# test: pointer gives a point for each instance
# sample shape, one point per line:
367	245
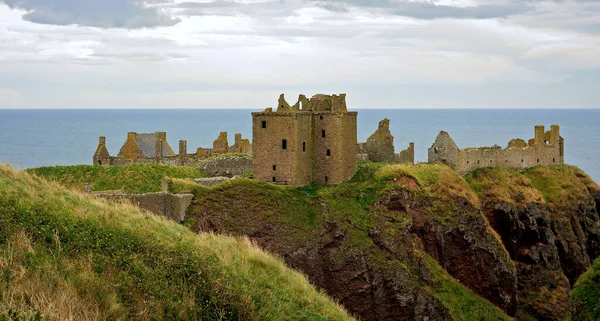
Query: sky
244	53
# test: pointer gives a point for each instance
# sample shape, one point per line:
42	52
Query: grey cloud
96	13
428	10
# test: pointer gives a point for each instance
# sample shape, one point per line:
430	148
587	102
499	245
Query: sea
34	138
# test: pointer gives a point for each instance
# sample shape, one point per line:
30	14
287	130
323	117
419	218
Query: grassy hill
65	255
134	178
300	213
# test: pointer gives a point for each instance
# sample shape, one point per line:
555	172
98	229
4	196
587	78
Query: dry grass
73	257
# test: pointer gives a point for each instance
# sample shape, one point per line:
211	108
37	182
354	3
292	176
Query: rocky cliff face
405	242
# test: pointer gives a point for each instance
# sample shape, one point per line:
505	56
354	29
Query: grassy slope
135	178
65	255
585	295
354	203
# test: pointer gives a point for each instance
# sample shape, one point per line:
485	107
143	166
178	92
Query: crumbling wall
546	148
131	152
406	156
211	181
221	145
444	150
380	145
171	206
227	166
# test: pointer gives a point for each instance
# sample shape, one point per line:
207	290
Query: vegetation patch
561	185
462	304
71	256
585	295
436	179
134	178
505	185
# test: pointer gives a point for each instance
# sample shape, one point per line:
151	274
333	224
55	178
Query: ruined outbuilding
149	148
312	141
379	147
546	148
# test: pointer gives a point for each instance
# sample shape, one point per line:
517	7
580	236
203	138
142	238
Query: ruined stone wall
444	151
547	148
406	156
171	206
227	166
380	145
130	148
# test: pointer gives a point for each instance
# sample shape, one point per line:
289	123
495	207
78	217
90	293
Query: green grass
561	185
66	255
134	178
503	184
355	206
585	295
461	303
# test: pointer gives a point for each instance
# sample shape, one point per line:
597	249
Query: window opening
284	144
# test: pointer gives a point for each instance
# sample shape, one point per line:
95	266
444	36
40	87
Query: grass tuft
68	256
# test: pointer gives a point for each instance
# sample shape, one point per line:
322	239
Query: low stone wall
227	166
211	181
172	206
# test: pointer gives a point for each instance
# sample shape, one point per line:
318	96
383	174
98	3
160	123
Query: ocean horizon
48	137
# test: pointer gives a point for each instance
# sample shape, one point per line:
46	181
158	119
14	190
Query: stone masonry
379	147
546	148
147	148
312	141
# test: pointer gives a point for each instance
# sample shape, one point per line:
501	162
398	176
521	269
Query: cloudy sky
243	53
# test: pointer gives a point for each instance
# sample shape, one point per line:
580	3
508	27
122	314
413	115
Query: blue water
32	138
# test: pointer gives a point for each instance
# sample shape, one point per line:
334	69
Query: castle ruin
379	147
312	141
149	148
546	148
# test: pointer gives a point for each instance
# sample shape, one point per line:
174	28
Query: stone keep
313	141
546	148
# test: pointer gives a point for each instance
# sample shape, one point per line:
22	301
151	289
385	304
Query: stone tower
313	141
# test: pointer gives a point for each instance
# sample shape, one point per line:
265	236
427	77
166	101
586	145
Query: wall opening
303	146
478	162
274	167
553	160
435	150
467	162
538	160
323	133
326	179
274	179
329	152
321	117
490	161
263	124
284	144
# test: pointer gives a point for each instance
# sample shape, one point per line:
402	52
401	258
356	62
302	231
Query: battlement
546	148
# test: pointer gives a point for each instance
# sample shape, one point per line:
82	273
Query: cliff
65	255
403	242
